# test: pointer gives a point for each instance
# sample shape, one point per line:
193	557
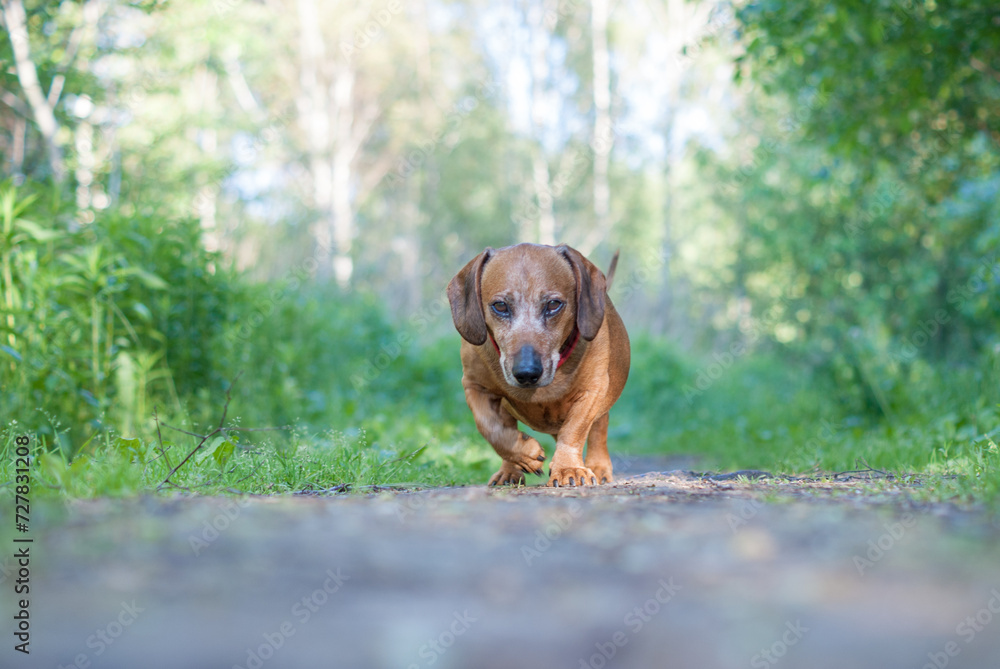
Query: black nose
527	366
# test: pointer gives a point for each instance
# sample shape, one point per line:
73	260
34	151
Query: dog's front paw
602	471
570	476
509	474
529	456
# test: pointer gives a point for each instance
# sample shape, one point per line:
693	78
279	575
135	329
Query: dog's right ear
465	296
591	292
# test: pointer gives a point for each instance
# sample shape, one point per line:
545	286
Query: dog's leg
567	466
520	453
598	460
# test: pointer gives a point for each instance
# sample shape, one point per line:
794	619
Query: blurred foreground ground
659	570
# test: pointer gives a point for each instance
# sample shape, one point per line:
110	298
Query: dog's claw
571	476
524	460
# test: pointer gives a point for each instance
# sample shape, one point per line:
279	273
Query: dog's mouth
528	384
541	383
527	368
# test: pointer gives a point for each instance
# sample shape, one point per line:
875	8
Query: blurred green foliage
96	316
816	287
868	194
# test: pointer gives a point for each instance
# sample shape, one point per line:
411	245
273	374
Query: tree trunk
603	138
344	150
315	117
15	19
546	233
85	163
334	135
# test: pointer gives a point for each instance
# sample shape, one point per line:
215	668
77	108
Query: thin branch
15	103
361	129
186	458
869	470
177	429
219	429
222	422
241	89
229	398
91	15
159	435
228	429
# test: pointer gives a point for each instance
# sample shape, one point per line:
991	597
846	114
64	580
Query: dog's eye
500	308
552	307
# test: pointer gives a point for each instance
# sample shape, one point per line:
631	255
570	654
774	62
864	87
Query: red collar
564	353
569	346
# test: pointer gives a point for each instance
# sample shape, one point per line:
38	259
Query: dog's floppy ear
591	289
465	296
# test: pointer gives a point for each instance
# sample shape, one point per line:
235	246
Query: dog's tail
611	269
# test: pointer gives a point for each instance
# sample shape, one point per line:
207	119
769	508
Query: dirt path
661	570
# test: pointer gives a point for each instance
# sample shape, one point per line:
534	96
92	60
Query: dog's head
533	302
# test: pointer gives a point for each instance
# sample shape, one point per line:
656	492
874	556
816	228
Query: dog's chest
547	418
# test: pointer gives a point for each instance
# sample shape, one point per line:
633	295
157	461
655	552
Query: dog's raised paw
509	474
529	456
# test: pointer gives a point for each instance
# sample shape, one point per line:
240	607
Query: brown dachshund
542	344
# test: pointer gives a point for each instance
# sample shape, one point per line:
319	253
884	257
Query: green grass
104	324
765	413
411	427
286	463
